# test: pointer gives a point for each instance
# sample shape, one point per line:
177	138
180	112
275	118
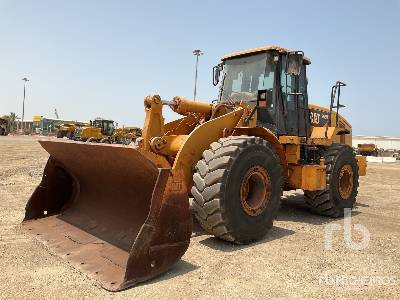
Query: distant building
382	142
26	126
45	126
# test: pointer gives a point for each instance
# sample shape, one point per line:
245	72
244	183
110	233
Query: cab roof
102	119
306	60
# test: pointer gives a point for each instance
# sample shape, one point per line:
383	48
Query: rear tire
60	135
237	188
341	183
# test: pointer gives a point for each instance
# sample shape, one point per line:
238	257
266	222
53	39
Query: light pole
197	53
23	103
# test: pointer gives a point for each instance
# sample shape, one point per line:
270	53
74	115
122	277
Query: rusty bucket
110	212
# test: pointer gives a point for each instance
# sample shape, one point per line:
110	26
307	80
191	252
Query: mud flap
110	212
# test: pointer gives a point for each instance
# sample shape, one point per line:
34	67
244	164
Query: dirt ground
290	262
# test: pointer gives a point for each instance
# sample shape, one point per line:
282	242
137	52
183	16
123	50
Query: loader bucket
110	212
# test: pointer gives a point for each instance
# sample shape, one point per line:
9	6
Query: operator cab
272	78
106	126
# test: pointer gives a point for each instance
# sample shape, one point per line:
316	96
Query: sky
101	58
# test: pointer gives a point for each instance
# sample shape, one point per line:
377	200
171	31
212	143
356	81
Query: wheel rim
346	181
255	191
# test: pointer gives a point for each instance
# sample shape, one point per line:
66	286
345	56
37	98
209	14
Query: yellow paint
67	127
325	136
184	140
159	160
290	139
343	123
307	177
362	165
184	106
168	145
91	132
200	139
154	121
246	112
182	126
270	137
292	152
367	148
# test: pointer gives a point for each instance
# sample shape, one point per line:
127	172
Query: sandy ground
290	262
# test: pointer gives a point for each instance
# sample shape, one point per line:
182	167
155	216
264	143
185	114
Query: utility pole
197	53
23	103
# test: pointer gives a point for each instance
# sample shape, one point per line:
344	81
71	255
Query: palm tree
13	118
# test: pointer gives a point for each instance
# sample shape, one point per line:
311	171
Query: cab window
245	76
288	85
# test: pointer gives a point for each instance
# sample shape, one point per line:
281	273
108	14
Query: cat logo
315	118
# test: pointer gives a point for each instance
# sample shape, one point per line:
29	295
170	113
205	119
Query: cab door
295	100
302	100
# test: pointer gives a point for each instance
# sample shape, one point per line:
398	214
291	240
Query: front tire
105	141
237	188
341	183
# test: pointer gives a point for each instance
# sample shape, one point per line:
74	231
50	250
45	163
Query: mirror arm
247	120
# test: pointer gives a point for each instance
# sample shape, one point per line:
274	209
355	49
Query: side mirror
216	73
294	61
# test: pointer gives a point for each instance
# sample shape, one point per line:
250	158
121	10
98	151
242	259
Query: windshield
244	76
108	127
97	123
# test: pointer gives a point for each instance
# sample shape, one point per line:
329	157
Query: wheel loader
368	149
104	131
99	130
121	214
125	135
68	129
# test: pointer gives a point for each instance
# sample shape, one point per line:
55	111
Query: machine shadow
224	246
360	205
294	209
180	268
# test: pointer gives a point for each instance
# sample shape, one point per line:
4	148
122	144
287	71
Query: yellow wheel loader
103	131
121	214
68	129
99	130
368	149
124	135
